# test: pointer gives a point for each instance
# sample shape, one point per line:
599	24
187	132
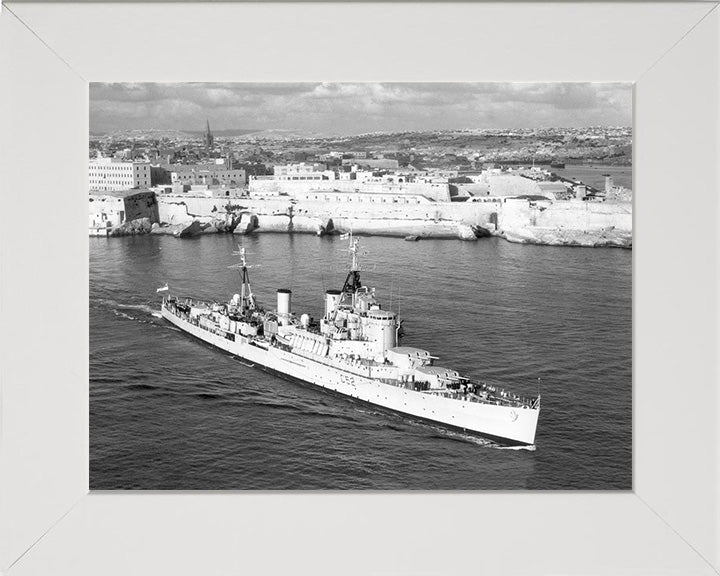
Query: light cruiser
354	350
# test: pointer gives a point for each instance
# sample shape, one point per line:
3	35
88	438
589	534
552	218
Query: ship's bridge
408	357
365	300
437	377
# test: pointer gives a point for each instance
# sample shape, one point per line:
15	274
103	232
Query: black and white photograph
398	289
360	286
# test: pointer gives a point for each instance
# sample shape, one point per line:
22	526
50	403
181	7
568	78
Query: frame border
670	524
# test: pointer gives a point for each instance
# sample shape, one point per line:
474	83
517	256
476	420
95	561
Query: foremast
247	298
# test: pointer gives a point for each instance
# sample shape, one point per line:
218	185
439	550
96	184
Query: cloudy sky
356	108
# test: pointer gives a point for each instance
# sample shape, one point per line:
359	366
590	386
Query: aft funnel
283	303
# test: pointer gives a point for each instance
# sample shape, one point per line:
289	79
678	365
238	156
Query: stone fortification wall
175	209
567	223
512	186
546	222
439	192
503	185
404	227
181	208
475	213
576	215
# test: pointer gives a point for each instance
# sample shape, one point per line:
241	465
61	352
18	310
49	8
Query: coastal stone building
112	174
218	174
110	209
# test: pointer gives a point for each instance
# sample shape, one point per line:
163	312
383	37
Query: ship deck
479	392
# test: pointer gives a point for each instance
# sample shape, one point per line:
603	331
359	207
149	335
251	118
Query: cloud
345	108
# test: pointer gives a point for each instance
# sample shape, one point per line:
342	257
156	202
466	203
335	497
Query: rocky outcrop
184	230
273	223
572	223
466	232
312	225
232	221
564	237
481	232
326	226
192	229
216	227
247	223
165	229
132	227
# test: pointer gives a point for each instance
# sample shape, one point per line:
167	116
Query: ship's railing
194	321
498	395
473	392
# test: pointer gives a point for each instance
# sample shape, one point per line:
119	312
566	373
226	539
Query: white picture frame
51	524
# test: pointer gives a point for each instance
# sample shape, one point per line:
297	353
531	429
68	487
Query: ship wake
129	311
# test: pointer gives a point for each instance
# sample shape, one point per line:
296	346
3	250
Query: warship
354	350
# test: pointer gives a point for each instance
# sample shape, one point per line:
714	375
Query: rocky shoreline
532	220
608	238
182	230
245	223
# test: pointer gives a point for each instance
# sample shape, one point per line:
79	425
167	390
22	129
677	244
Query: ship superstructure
354	350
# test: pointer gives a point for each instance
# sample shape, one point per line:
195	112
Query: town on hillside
480	182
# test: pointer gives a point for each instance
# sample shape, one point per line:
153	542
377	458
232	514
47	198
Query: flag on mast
163	289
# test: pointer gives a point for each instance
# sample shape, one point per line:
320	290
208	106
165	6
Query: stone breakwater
525	220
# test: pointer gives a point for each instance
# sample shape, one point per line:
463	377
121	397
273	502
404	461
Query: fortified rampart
438	191
512	186
574	222
521	220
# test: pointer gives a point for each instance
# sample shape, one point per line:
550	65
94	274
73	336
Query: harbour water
169	412
594	174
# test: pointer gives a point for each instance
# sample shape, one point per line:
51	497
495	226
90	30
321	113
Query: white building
112	174
303	171
209	174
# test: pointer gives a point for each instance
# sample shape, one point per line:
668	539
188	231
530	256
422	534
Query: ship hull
504	424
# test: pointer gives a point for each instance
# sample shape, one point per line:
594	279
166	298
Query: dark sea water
169	412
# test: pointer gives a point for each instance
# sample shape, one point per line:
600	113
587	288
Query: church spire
209	139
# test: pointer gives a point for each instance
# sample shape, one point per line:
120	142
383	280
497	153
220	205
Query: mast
247	298
352	281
